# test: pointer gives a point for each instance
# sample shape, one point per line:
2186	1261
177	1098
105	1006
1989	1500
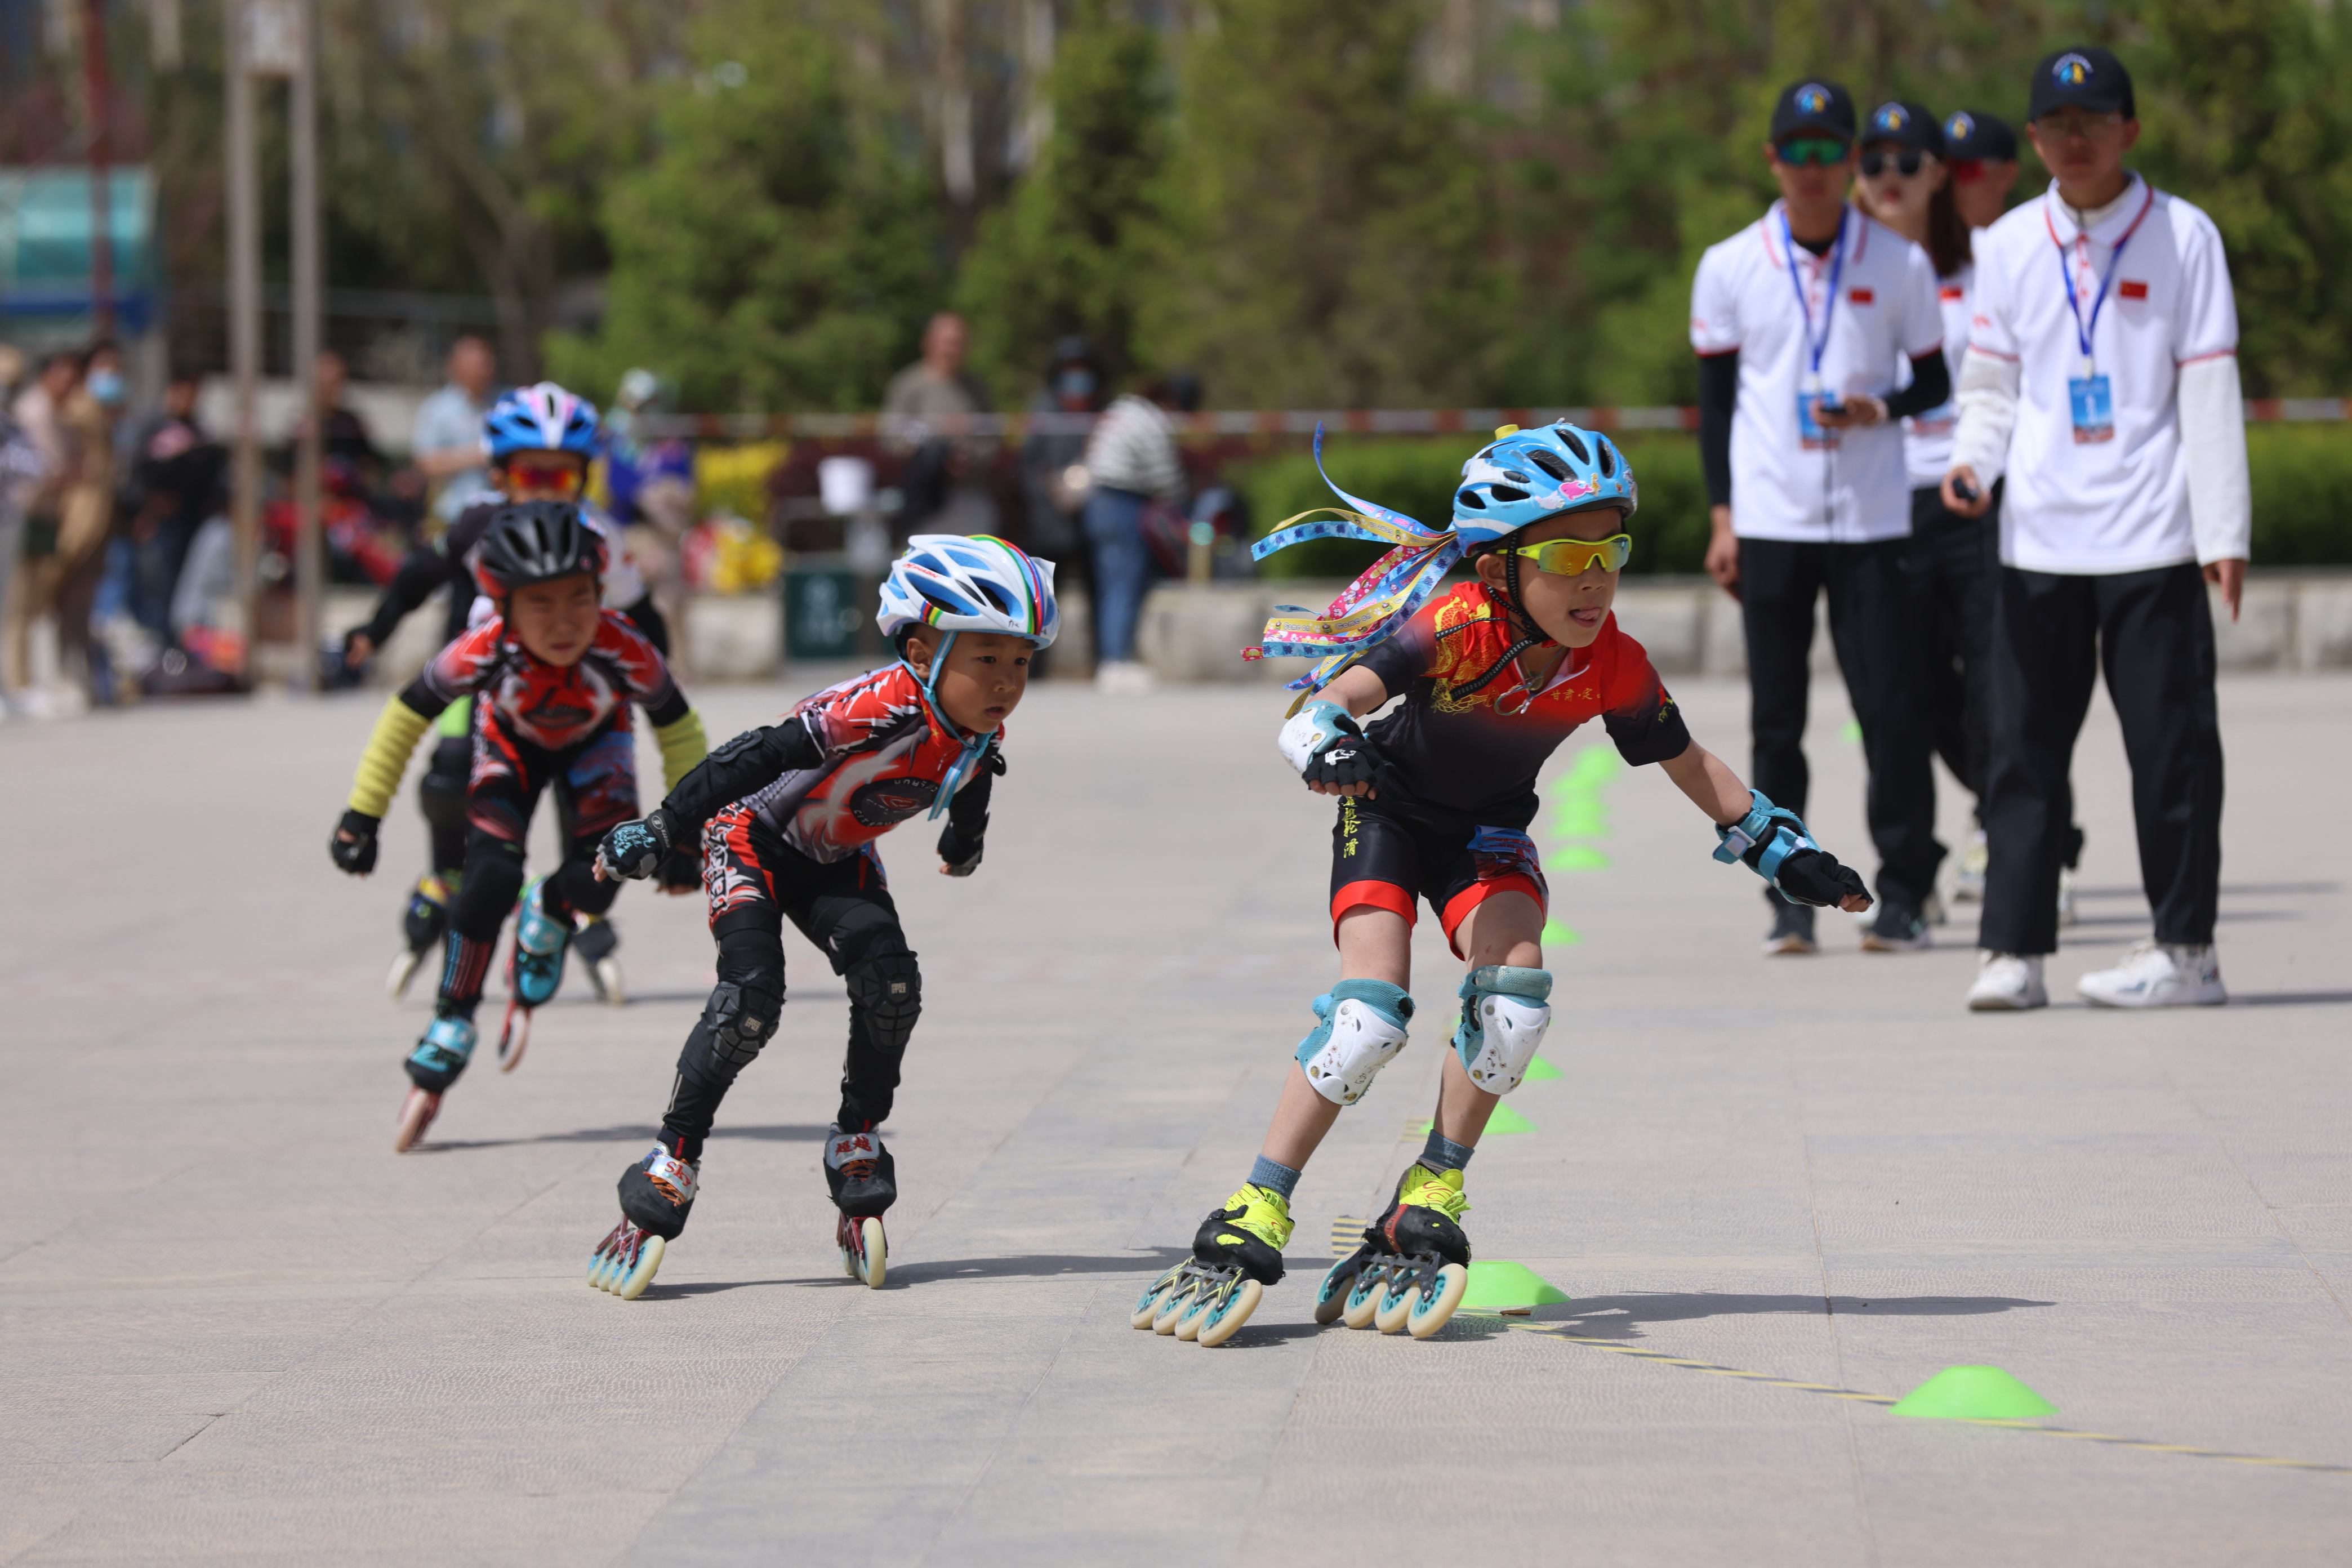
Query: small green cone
1577	857
1505	1286
1558	935
1504	1120
1541	1070
1852	734
1974	1394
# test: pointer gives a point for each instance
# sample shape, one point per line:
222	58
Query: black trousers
1872	625
1951	567
2152	634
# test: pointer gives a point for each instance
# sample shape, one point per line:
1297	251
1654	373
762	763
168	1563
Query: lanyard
2066	270
1815	346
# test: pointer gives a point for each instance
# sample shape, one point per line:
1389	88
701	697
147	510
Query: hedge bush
2302	482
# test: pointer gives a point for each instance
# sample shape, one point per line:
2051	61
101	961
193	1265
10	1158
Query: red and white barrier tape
1278	422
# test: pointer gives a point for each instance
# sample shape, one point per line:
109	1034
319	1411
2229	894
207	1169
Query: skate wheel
874	1259
606	973
417	1114
1363	1299
1147	1306
403	970
1395	1302
1173	1304
1226	1319
1425	1318
1196	1313
630	1285
514	1038
1331	1296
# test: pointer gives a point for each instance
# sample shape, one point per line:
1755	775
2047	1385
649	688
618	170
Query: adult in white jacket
2102	379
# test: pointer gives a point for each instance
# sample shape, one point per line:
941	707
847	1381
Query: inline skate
421	924
863	1181
1413	1266
1237	1254
534	971
440	1056
656	1194
598	945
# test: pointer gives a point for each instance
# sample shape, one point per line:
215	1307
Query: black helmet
535	541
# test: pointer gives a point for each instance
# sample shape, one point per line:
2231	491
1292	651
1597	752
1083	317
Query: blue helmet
1526	476
541	418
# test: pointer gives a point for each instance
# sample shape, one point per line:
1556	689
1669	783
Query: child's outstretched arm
747	762
406	716
1770	841
1325	744
962	839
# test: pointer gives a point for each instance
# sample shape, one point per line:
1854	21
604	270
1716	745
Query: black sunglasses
1873	162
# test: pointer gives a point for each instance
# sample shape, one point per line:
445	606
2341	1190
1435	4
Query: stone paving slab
236	1328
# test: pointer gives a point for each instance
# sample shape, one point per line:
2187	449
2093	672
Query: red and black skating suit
789	816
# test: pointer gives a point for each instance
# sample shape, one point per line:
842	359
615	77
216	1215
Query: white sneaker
1122	677
1969	875
2159	974
2008	982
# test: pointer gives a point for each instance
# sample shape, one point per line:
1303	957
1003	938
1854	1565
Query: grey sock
1275	1178
1441	1154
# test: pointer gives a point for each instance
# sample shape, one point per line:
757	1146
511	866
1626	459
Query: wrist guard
636	849
1763	838
1327	746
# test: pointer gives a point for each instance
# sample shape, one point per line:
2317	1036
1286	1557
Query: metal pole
101	92
303	110
245	331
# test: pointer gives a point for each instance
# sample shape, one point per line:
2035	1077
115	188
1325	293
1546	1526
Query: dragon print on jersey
885	760
551	706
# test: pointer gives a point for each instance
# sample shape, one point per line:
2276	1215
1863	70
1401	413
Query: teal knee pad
1503	1016
1359	1026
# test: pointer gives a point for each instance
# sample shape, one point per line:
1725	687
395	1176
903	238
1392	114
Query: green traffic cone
1974	1394
1504	1120
1541	1070
1506	1287
1558	935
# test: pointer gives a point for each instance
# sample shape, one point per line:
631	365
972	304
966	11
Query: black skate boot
421	924
1413	1266
598	945
1237	1254
656	1194
863	1179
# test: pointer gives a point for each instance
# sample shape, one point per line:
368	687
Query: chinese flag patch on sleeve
2130	291
1861	296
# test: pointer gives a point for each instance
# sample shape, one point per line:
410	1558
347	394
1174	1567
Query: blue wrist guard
1775	831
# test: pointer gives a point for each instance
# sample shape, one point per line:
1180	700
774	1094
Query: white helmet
970	584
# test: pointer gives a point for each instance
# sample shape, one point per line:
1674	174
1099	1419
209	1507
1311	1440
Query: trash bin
821	609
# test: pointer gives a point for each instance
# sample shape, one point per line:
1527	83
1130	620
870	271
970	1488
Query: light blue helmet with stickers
1525	476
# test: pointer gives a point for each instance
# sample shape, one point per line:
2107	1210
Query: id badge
1811	433
2093	409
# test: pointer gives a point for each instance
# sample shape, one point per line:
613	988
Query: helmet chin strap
974	746
1523	628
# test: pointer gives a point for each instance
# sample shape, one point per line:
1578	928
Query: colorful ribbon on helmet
1375	605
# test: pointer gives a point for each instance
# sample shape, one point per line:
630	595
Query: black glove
353	844
636	849
960	856
1814	876
681	871
1350	760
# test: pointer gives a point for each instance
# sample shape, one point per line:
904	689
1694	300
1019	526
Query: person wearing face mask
85	518
2102	380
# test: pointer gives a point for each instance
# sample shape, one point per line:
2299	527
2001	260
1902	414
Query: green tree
780	248
1070	251
1328	235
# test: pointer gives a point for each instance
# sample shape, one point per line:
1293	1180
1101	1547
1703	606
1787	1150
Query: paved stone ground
236	1327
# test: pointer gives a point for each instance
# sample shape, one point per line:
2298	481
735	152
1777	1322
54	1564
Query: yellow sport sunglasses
1572	557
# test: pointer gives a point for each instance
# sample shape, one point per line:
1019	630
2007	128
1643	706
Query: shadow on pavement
784	1132
2228	889
1037	1266
1624	1317
2290	999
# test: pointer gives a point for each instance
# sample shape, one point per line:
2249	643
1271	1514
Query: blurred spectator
343	435
38	413
87	520
448	447
173	486
935	396
22	467
1130	461
650	487
1982	150
1053	463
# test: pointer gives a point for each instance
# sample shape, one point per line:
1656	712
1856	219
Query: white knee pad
1360	1030
1503	1020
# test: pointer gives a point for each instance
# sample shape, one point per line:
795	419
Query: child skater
552	676
788	819
1434	803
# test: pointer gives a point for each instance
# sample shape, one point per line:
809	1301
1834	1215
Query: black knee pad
736	1024
442	791
886	989
492	883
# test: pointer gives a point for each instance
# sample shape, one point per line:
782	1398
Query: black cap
1813	108
1904	124
2085	78
1985	138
